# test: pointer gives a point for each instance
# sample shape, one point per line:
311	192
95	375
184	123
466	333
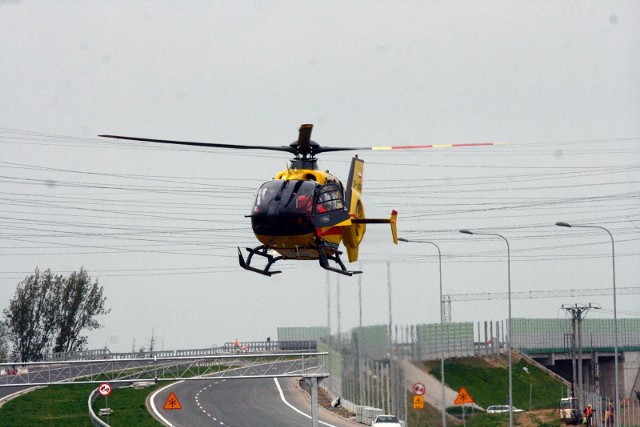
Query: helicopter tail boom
392	220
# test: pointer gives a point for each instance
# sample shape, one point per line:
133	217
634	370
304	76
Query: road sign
463	397
418	401
172	402
104	389
419	389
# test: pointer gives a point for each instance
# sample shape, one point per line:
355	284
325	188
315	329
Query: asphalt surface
241	403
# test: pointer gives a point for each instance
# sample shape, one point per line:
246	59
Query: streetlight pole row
443	401
615	312
615	316
508	321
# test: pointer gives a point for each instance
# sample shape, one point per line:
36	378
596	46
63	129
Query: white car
501	409
386	421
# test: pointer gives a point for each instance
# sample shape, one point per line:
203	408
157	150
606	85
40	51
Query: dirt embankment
539	418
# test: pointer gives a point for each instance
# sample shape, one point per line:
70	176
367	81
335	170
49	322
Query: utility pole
578	312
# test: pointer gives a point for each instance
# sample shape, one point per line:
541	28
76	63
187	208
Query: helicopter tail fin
354	184
352	235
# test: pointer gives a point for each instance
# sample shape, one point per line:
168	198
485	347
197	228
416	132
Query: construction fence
366	374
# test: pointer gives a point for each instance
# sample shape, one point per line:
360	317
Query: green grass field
66	406
488	383
50	406
129	406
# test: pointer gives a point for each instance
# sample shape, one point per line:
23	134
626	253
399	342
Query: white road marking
153	405
284	400
293	407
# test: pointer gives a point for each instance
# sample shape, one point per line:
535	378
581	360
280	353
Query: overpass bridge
551	343
250	359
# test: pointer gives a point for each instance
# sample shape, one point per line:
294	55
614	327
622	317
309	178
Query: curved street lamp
509	321
615	312
444	405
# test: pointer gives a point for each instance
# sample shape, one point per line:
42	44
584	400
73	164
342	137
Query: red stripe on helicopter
333	231
408	147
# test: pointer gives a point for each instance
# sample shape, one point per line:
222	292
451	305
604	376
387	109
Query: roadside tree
49	313
4	343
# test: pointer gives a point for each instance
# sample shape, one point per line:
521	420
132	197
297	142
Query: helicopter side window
329	199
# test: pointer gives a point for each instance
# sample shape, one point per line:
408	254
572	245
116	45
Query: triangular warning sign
463	397
172	402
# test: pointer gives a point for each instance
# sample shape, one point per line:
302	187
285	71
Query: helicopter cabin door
329	208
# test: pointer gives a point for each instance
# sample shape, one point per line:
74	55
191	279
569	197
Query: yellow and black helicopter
305	213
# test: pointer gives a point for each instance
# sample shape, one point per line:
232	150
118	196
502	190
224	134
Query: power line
574	293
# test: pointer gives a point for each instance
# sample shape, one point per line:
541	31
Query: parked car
501	409
386	421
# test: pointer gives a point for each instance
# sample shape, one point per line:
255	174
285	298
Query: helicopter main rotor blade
454	145
287	149
321	149
304	146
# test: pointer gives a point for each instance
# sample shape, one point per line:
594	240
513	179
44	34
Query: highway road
9	392
263	402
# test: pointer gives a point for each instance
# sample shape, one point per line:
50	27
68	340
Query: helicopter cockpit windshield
284	207
288	207
281	197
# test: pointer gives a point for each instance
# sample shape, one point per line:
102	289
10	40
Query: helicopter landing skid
323	258
262	251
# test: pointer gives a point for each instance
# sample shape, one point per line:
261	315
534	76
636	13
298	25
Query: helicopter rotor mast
304	149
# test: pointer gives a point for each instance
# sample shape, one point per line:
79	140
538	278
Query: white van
501	409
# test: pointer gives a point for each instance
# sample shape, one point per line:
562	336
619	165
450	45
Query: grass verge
486	380
66	406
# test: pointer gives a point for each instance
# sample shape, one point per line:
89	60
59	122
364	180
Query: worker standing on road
236	344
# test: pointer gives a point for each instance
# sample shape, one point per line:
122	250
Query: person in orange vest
588	415
236	344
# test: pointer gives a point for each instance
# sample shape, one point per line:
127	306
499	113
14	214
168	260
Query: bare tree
49	313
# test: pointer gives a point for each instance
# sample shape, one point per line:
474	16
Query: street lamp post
444	405
615	311
509	320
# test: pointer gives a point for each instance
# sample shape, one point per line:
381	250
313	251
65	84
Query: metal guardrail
95	420
249	365
227	348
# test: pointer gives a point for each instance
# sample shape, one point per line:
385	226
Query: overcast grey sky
159	226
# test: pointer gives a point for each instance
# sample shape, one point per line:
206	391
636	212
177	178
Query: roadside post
463	399
418	397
